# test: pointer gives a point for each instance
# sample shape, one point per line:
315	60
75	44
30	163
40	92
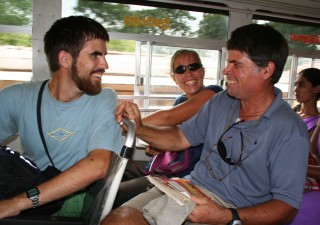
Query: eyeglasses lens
223	153
222	148
192	67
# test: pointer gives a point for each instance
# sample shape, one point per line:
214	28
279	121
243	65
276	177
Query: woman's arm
314	143
314	172
179	113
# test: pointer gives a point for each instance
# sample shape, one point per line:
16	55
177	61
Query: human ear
268	70
65	59
316	89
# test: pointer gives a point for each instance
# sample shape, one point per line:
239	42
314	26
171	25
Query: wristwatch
33	195
235	217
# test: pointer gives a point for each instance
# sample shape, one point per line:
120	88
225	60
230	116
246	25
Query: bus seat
308	213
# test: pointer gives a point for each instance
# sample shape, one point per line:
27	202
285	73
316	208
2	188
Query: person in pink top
307	93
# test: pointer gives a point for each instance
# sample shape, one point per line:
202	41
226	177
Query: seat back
103	201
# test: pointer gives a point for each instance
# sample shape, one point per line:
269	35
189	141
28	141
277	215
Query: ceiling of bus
308	8
282	3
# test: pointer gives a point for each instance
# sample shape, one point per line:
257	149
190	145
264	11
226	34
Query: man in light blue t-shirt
78	121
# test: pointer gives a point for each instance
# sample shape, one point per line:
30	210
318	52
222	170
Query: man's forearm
77	177
165	138
272	212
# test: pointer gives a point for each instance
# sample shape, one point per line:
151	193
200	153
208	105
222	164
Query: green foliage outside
112	16
289	29
213	26
121	45
16	12
19	13
15	39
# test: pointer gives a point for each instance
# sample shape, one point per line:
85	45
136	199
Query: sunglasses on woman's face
181	69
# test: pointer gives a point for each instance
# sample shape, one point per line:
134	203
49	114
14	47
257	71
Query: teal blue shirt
71	129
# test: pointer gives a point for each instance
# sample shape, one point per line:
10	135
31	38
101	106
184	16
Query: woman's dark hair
70	34
312	75
262	44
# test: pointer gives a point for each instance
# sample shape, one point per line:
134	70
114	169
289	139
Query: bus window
121	61
15	42
161	20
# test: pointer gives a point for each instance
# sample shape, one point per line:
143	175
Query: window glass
303	63
15	63
15	48
317	63
283	83
298	36
127	18
16	12
286	79
121	62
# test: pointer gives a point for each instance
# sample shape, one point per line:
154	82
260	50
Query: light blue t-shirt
274	158
71	129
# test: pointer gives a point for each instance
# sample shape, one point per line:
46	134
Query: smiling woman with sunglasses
187	71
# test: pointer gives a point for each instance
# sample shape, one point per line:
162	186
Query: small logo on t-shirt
60	134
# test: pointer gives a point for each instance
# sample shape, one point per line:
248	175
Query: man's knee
124	215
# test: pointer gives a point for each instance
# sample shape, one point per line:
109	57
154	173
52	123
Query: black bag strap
39	120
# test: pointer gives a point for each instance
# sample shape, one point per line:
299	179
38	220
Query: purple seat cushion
309	213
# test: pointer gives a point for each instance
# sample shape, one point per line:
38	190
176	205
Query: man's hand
12	206
209	212
152	152
130	111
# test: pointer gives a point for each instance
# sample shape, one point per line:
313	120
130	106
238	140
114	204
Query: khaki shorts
142	199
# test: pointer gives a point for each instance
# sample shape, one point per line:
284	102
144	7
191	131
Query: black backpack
17	173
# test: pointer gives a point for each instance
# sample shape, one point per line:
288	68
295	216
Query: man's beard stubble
84	83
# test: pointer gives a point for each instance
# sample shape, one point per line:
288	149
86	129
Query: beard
85	84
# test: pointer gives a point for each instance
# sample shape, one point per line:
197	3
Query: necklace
252	115
240	118
307	115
